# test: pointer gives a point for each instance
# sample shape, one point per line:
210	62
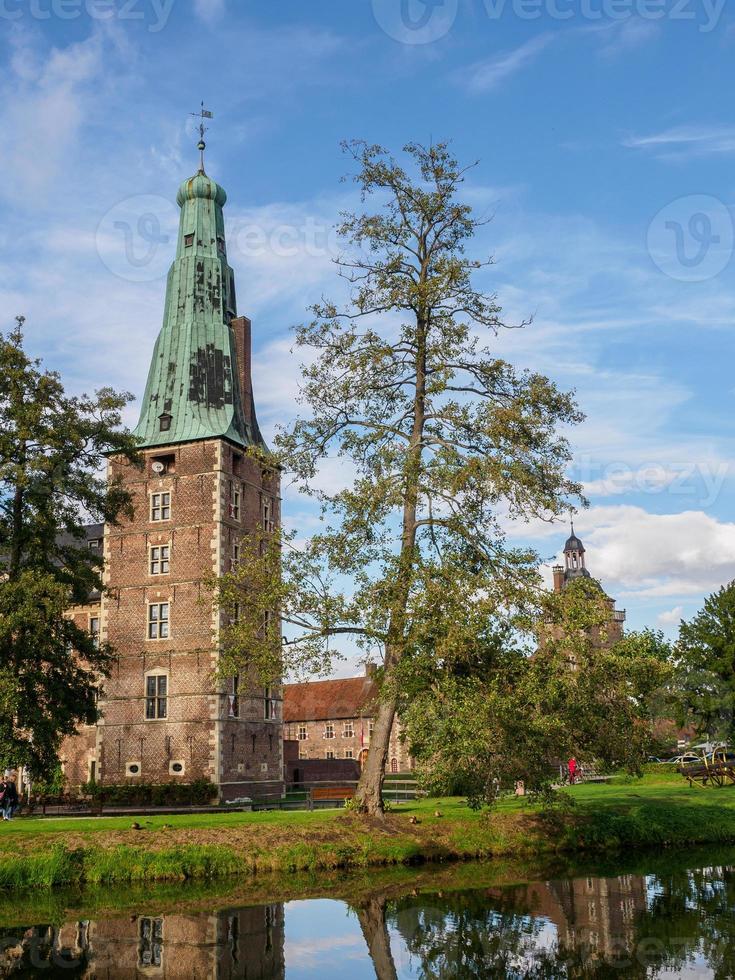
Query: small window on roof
188	241
165	421
220	244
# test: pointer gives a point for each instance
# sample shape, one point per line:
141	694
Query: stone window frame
95	633
348	729
267	513
154	623
160	560
156	697
329	732
303	733
349	754
270	704
235	509
161	507
330	754
234	697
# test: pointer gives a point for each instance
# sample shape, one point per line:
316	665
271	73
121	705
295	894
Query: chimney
558	578
241	330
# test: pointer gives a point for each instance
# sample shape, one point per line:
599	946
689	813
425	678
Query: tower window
188	241
94	629
220	244
233	708
156	697
158	621
161	506
164	422
160	559
234	502
270	704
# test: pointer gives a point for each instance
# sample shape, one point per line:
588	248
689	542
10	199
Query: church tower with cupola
166	716
575	567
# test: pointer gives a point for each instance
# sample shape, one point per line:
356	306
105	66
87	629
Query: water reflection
228	943
674	923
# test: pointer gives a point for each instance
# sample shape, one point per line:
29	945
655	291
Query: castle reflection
228	944
628	925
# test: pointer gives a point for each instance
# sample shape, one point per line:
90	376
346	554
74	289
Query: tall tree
705	681
439	440
52	451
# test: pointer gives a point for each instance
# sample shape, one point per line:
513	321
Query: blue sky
606	142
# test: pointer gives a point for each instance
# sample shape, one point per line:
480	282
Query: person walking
10	798
572	769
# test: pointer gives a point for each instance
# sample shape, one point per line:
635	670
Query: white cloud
483	76
627	35
637	554
43	103
690	140
671	617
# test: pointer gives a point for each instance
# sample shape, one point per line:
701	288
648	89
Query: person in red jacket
572	768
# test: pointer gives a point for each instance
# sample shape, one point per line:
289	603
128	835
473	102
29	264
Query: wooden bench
332	793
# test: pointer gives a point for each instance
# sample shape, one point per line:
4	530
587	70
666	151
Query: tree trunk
15	555
369	795
372	922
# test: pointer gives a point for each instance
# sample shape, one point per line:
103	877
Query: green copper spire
193	390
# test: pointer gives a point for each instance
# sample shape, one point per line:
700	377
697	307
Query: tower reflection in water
679	923
245	942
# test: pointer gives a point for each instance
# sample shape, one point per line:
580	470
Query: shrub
197	793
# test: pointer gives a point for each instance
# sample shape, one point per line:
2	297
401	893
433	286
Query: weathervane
201	146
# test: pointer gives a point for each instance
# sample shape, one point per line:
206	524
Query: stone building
164	718
333	719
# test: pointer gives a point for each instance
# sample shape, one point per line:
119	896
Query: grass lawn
658	810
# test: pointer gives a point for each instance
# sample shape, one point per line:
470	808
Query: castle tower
164	716
574	567
574	563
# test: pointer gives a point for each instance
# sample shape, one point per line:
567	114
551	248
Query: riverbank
657	811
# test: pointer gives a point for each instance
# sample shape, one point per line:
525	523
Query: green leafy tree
438	438
705	679
582	693
53	448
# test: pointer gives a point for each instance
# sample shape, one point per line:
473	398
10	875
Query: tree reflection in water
677	922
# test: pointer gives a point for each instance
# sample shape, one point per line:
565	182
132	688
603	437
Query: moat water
670	915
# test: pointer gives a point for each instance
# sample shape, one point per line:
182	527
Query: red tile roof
350	697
